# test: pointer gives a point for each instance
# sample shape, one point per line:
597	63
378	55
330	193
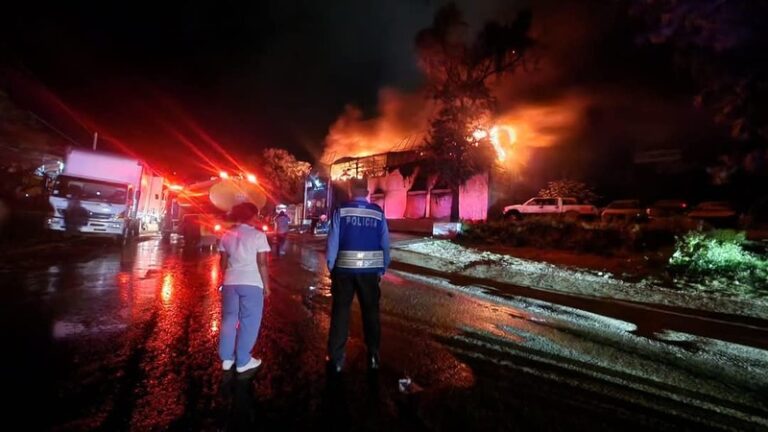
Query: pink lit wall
376	188
395	189
416	205
473	198
377	199
391	193
440	206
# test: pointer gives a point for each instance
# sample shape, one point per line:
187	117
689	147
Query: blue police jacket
358	239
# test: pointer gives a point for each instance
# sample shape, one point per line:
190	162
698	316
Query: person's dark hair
243	212
358	188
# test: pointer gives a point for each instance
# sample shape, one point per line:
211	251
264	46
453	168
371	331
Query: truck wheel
514	215
571	216
124	238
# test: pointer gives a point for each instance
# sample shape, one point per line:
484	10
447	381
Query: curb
549	278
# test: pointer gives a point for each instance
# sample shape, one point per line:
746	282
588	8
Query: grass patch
718	261
581	236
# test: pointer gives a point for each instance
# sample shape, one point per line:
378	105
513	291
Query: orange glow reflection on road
123	278
215	274
214	326
167	291
123	285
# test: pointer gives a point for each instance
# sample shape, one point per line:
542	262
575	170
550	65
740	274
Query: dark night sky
258	74
252	74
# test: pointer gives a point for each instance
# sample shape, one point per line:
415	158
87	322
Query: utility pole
95	140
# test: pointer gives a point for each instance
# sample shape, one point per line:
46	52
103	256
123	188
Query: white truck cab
99	193
105	206
550	206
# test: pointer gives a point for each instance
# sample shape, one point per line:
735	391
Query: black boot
334	368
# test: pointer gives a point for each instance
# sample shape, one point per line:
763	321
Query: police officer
358	254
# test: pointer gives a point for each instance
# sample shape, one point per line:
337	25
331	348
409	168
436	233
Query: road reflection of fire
123	286
164	398
214	326
215	274
167	290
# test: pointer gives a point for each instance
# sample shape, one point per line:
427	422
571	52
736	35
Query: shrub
720	255
719	251
558	233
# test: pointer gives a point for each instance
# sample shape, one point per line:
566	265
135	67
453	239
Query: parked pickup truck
568	207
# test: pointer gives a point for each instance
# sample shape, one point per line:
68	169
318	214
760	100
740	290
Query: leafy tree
723	44
458	69
569	189
282	175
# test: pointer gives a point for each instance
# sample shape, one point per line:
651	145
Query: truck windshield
90	190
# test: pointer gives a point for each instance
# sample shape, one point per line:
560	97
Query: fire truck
198	212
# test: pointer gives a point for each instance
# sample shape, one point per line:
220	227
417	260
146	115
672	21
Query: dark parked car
623	210
716	213
667	209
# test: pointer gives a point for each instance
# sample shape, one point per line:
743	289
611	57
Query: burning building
386	149
400	184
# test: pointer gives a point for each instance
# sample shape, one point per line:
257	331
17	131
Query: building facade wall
392	194
416	205
392	191
473	198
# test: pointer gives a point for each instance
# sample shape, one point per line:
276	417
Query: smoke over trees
458	69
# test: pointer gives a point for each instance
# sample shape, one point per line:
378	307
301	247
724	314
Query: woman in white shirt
244	252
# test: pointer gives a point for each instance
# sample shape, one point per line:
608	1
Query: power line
68	138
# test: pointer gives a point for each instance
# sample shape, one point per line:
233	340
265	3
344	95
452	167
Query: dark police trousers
343	288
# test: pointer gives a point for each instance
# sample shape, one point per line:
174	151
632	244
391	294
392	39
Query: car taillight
217	227
683	205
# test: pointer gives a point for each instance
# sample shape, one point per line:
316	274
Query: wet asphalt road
103	338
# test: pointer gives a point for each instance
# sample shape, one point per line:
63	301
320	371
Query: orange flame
501	137
404	120
400	125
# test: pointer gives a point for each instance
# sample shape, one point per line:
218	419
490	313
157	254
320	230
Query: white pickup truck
568	207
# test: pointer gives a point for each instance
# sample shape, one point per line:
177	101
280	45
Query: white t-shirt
241	244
